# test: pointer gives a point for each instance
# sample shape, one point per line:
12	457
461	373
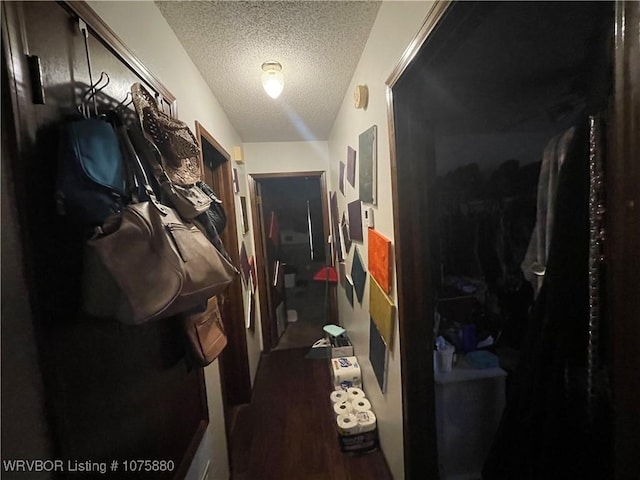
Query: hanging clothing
545	432
534	264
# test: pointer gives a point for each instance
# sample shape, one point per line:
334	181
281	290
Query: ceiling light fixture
272	79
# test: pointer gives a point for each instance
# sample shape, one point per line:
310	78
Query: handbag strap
218	316
208	191
131	184
132	160
156	166
159	172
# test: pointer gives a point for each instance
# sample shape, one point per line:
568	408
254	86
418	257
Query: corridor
288	433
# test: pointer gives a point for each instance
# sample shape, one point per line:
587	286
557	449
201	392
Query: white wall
396	25
254	336
140	25
279	157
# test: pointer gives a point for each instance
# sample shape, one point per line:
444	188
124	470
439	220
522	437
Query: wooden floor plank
288	431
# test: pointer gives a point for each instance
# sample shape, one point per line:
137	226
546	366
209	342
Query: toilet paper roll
355	393
347	424
366	421
342	408
339	396
361	405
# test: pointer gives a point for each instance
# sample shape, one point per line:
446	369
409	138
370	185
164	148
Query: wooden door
233	363
111	391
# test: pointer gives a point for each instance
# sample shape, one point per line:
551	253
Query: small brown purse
204	334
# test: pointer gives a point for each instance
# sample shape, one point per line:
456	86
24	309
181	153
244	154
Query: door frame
622	256
268	323
233	363
409	196
623	238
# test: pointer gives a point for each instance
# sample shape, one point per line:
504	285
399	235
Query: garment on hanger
534	264
545	431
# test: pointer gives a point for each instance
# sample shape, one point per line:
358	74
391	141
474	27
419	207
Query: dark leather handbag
204	334
213	221
147	263
215	214
91	180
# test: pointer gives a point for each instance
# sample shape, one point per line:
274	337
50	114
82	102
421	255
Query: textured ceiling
317	42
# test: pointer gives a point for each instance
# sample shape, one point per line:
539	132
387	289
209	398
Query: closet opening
493	121
291	228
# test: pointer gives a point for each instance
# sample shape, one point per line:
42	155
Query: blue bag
92	178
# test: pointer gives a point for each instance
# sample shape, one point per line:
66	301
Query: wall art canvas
342	274
358	274
378	356
367	144
379	258
351	166
245	216
346	238
245	268
335	228
382	311
341	181
354	209
236	183
348	290
252	271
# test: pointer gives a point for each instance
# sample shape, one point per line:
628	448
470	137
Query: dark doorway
473	114
291	233
233	362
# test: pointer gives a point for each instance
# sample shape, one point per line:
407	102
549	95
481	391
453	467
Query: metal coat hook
95	90
128	100
85	33
91	94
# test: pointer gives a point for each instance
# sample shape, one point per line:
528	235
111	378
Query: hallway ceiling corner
318	43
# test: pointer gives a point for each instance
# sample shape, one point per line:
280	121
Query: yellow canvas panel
382	311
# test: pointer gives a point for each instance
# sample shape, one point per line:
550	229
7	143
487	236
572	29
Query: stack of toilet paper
353	411
345	373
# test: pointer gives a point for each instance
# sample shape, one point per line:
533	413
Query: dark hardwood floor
308	301
288	430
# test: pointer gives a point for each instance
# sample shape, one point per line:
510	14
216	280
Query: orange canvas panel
380	259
